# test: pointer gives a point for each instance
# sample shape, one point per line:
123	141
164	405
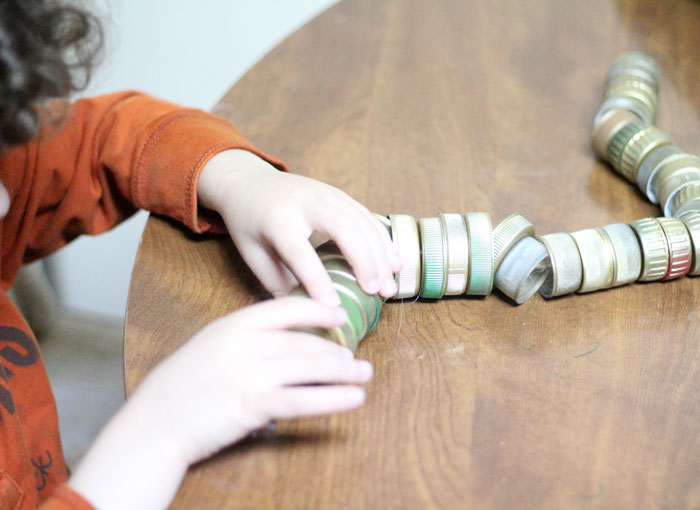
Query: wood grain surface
589	401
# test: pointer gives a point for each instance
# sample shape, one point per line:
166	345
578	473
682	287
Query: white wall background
189	52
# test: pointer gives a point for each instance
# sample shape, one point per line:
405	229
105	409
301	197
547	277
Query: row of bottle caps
460	254
455	254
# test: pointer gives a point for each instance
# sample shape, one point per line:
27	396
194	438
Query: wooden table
587	401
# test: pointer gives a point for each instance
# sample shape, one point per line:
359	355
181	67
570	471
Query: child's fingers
381	248
389	248
269	269
322	368
298	254
296	402
356	241
288	312
283	344
391	253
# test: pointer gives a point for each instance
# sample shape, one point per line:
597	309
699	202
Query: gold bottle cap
606	126
686	201
341	273
638	147
675	184
455	228
523	270
619	142
353	299
341	335
634	89
344	334
679	247
632	105
633	72
669	168
480	281
636	64
566	266
356	314
631	81
651	162
597	259
507	234
628	253
404	231
692	223
636	74
655	254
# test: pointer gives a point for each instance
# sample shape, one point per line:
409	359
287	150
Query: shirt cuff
167	170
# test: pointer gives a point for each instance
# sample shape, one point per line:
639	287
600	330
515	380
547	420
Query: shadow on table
269	439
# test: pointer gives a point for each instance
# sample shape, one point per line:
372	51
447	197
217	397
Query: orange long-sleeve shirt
109	156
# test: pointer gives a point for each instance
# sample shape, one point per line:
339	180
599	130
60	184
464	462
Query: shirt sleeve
109	156
65	498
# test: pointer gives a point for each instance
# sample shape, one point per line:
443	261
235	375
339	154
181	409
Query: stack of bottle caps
362	308
448	255
646	250
461	254
455	254
623	135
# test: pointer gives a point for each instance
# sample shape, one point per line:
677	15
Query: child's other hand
271	215
245	369
233	376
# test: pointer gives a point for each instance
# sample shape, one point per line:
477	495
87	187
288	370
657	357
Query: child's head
46	51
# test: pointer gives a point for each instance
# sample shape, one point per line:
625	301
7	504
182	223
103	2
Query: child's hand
271	215
243	370
232	377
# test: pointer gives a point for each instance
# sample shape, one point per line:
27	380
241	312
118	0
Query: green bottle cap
434	263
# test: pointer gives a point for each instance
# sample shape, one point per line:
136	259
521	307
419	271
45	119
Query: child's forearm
233	376
134	463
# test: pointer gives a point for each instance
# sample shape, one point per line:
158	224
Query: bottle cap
404	232
667	168
651	161
480	282
597	258
628	253
507	233
692	223
638	147
523	270
566	267
655	255
686	201
455	228
606	126
679	247
434	263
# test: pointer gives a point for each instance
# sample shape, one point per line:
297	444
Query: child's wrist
225	169
134	463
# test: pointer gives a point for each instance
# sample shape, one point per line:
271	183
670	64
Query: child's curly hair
46	50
